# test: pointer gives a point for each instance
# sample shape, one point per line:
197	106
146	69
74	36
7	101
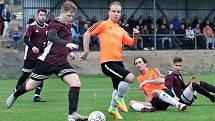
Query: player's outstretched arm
157	81
52	36
131	42
86	44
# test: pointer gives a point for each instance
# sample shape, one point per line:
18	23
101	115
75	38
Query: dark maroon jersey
175	82
56	54
38	38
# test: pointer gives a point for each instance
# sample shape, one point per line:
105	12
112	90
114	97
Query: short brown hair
177	59
68	6
114	3
143	59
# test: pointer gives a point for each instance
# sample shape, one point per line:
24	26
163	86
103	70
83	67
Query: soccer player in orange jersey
112	37
157	96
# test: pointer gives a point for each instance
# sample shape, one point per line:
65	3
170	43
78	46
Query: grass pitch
95	95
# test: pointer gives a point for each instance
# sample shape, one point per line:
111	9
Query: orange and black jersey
111	37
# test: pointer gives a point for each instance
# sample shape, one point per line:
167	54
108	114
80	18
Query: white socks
122	89
113	104
167	98
137	106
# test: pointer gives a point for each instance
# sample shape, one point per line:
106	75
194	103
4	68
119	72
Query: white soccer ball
96	116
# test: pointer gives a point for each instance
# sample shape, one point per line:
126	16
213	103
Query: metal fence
178	42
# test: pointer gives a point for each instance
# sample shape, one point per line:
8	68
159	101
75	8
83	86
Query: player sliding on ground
112	37
187	93
157	96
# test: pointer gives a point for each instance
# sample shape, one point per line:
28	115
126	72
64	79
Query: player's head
177	65
140	63
41	15
68	10
114	11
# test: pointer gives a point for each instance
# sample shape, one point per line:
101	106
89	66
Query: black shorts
116	71
28	66
43	70
158	103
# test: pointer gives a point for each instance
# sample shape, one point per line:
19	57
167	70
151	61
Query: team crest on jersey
37	31
110	27
149	78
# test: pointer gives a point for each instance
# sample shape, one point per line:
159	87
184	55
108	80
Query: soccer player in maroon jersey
54	61
187	93
35	39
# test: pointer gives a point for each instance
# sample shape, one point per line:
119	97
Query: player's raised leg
207	86
25	87
122	89
194	86
22	79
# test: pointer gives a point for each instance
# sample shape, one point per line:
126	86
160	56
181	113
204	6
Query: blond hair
68	6
114	3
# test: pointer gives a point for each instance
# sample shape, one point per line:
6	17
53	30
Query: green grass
95	95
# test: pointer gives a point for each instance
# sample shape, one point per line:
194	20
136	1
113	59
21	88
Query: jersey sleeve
96	28
169	81
29	31
126	39
157	72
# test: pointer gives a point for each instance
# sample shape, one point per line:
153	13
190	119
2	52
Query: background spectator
163	31
75	32
198	36
176	23
189	38
6	15
181	35
16	37
209	35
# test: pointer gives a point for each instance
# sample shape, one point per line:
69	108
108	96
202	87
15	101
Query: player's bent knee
75	83
130	78
72	80
31	85
194	85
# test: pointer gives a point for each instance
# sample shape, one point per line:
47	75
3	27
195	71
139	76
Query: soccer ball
96	116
